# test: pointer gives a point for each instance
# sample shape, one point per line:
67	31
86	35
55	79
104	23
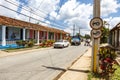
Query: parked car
75	41
61	44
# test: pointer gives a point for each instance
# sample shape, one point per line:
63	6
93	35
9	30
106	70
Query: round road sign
96	23
96	33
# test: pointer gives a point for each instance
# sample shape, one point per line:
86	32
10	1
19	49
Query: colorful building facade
13	29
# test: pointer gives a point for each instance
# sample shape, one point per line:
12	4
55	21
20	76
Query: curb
61	73
5	54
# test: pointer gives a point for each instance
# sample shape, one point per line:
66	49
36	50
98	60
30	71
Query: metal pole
96	13
79	30
73	29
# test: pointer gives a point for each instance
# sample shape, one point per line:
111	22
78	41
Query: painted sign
96	23
96	33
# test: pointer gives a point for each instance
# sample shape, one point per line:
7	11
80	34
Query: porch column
44	35
38	37
119	37
115	38
3	35
47	35
60	35
24	34
54	36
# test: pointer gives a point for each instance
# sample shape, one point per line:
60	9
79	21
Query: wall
15	31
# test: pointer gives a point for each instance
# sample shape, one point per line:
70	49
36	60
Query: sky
61	14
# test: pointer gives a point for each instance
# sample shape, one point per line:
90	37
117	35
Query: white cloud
38	9
7	12
53	15
113	21
72	12
109	6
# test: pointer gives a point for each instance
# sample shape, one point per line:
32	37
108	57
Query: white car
61	44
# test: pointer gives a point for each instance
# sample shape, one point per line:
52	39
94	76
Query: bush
48	43
30	43
21	43
116	75
107	58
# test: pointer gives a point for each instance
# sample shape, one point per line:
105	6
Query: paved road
40	64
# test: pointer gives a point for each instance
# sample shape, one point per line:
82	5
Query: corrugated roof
116	27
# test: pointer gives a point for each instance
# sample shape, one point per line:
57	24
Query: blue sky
62	14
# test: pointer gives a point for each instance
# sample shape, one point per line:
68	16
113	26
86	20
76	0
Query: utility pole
79	30
30	14
73	29
95	41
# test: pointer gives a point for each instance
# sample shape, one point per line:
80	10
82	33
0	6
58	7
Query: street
39	65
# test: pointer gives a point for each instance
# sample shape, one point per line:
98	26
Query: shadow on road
54	68
62	69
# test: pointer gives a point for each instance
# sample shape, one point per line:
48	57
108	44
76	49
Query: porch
13	29
10	35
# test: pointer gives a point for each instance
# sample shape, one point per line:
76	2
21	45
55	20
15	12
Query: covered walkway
13	29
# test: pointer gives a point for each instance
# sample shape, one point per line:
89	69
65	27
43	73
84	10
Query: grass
92	76
21	49
115	76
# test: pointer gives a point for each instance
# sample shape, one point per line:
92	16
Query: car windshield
75	39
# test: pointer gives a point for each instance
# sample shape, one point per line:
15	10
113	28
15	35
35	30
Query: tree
105	33
87	36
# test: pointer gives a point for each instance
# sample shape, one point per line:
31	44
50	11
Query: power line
20	13
24	8
53	24
23	14
31	17
40	4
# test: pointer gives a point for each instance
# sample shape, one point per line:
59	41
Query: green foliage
105	34
30	43
116	75
47	43
87	36
21	43
107	58
27	43
93	76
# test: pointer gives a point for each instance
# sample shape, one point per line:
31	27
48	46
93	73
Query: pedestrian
87	42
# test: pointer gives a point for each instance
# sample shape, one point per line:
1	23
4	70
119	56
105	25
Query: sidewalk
79	69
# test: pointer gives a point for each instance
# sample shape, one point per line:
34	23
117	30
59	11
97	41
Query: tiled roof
22	24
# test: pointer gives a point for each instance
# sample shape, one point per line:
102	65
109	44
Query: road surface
39	65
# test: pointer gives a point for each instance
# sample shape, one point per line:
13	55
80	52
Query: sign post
96	24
